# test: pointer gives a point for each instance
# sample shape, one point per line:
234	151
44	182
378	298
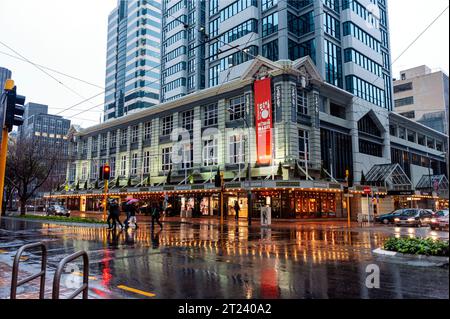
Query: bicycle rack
15	271
57	278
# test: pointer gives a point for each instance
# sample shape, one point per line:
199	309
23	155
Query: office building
422	96
133	57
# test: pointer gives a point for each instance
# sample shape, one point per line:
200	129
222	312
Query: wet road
203	261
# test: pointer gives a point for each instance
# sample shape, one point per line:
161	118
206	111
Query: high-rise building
133	57
4	75
206	43
422	95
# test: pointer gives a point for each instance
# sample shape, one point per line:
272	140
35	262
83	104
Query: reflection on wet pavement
212	261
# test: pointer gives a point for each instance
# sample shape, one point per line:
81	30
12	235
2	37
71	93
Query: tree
147	181
96	184
77	187
129	182
169	176
117	182
280	170
363	179
297	172
323	174
28	166
86	185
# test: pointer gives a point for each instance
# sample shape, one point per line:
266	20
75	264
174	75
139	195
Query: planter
415	260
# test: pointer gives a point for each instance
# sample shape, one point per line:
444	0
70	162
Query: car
389	218
57	210
440	220
413	217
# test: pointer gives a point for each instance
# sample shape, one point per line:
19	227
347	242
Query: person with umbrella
114	213
131	213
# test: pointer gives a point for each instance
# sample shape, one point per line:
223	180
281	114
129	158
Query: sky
70	37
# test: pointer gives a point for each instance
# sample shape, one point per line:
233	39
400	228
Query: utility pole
11	109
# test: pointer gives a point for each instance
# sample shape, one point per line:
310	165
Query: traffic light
14	108
100	173
106	172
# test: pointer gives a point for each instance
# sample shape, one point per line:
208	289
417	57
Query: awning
435	183
391	176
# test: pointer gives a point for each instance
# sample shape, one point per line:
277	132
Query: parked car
440	220
57	210
413	217
388	218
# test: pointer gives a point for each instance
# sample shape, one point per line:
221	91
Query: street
208	261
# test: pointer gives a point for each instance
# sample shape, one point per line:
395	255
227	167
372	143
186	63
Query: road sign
367	190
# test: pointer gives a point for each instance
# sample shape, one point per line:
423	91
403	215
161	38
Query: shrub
418	246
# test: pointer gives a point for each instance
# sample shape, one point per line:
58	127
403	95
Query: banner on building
263	121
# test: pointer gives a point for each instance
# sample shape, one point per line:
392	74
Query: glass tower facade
133	57
215	40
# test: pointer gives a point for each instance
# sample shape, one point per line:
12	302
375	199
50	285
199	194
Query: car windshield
409	213
442	213
59	207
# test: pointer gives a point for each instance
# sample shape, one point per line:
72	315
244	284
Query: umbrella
132	201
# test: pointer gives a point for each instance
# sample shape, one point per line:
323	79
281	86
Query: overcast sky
70	36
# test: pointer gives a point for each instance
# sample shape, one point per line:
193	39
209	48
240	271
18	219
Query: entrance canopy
436	183
392	176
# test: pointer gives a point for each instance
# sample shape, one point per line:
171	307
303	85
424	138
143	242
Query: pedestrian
131	215
114	213
156	214
237	209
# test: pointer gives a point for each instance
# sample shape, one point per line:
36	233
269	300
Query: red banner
263	109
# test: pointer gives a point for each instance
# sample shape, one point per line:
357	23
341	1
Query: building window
147	131
303	147
302	102
146	166
84	171
403	87
166	159
210	150
134	164
123	136
370	148
112	165
94	170
94	144
104	141
167	125
214	75
113	140
188	156
210	115
405	101
333	64
411	136
237	149
421	139
134	134
187	120
331	26
270	24
270	50
237	108
402	133
267	4
410	115
123	165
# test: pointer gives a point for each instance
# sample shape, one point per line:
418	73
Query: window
210	115
333	64
365	90
270	50
430	142
187	155
331	26
370	148
94	170
123	136
134	164
166	159
303	147
410	114
235	8
267	4
239	31
187	120
302	102
167	125
237	108
411	136
147	131
104	142
351	55
123	165
113	140
112	166
352	29
146	166
237	149
270	24
210	150
84	171
94	144
421	139
403	87
405	101
134	134
402	132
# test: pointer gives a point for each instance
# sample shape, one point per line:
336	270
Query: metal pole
3	155
249	193
348	210
105	200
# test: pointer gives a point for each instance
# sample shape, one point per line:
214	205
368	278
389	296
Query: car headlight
433	220
411	219
397	219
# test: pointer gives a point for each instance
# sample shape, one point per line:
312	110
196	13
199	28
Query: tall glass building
206	43
133	57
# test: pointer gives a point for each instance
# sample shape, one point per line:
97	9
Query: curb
416	260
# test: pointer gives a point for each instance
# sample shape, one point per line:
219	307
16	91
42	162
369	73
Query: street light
249	170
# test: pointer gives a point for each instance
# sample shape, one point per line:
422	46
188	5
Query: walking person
237	209
133	210
156	214
114	213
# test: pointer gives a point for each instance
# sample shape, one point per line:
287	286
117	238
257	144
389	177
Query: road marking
81	275
136	291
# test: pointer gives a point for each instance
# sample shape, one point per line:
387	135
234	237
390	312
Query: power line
53	70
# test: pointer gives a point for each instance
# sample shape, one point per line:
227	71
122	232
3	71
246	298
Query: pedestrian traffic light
14	106
106	172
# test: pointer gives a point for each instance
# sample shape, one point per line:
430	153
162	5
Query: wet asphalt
209	261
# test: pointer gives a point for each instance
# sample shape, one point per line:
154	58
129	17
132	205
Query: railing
57	278
15	271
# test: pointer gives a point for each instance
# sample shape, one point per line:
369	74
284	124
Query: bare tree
29	165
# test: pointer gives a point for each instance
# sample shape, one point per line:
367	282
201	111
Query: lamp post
249	169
